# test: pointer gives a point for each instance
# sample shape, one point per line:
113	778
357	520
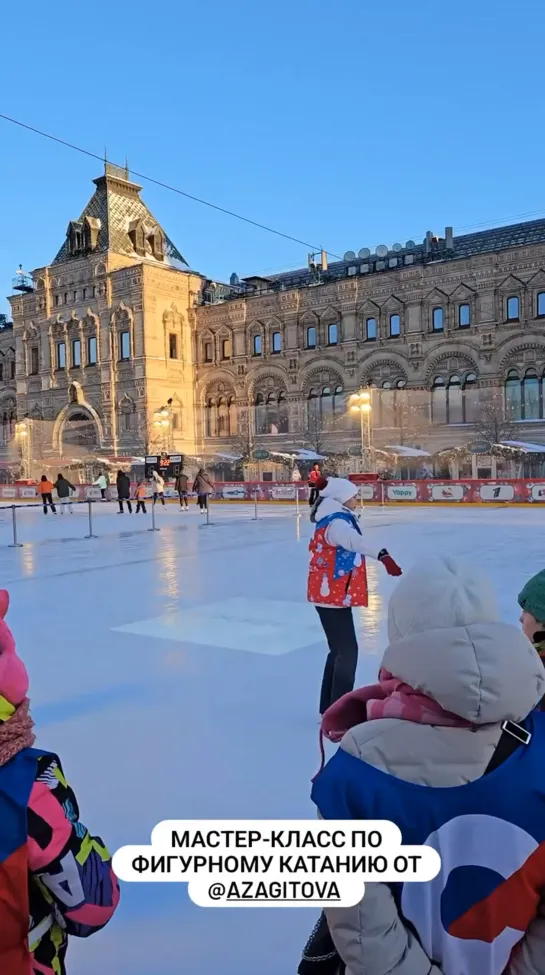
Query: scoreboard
167	465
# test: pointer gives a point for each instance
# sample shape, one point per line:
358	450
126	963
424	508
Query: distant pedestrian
313	478
181	487
45	488
102	483
123	484
140	497
158	485
296	475
202	487
64	489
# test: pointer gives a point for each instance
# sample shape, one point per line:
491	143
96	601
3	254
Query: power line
166	186
231	213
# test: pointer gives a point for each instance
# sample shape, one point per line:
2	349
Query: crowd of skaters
127	494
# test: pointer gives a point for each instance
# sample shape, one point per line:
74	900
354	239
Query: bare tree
406	415
494	424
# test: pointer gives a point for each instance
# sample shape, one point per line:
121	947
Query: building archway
77	427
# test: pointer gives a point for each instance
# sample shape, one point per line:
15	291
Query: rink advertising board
499	491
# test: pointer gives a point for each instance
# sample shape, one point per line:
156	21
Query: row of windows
525	398
65	298
512	314
76	353
455	400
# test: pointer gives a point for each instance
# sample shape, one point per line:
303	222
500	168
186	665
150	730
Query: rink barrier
409	491
15	543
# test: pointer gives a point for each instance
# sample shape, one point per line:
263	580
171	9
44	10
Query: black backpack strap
512	736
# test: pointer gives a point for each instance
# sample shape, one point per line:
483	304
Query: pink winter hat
13	674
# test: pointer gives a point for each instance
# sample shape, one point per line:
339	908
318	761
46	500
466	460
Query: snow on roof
529	448
403	451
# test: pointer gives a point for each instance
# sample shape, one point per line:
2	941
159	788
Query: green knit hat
532	597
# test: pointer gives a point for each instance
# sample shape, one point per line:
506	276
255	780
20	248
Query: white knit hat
439	593
339	489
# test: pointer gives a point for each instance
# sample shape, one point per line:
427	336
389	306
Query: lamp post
162	420
22	436
362	403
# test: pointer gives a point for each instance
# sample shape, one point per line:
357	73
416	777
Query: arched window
455	401
512	309
471	398
272	413
370	329
439	400
464	315
232	415
223	418
257	345
438	319
540	304
531	398
283	415
260	414
211	418
395	326
513	395
326	404
338	401
276	342
385	410
311	337
313	408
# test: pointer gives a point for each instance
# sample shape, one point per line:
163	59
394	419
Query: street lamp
162	419
22	436
362	403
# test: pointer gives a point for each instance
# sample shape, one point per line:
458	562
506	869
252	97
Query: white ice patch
324	588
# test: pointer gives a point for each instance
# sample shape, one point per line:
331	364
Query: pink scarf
390	698
16	733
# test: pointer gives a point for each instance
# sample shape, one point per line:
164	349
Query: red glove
389	564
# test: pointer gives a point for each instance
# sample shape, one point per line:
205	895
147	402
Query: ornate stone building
103	335
118	326
450	333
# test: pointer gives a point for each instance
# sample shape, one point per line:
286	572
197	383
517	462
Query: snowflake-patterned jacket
72	888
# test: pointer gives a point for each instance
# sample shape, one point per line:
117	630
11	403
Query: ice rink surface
177	673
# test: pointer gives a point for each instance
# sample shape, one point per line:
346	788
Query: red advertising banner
371	490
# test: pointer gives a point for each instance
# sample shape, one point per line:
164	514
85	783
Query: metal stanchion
15	543
361	497
382	494
206	523
255	518
297	509
89	504
153	525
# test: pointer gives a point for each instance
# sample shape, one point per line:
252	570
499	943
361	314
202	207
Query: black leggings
342	659
202	501
122	501
158	497
47	499
140	505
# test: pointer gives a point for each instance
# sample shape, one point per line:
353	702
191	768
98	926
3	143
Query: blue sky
345	126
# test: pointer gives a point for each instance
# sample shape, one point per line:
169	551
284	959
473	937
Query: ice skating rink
177	675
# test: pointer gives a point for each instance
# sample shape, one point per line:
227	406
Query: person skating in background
56	880
313	478
123	484
417	749
102	483
337	581
64	491
202	487
158	485
181	486
45	488
532	603
140	495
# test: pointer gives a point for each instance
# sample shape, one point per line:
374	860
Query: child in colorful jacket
56	879
337	580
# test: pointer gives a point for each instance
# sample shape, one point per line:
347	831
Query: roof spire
127	174
105	160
